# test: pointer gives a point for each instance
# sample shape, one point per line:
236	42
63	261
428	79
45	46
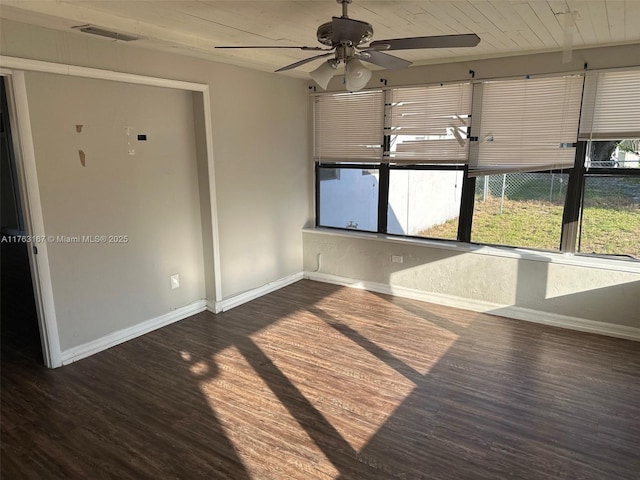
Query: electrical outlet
397	259
175	281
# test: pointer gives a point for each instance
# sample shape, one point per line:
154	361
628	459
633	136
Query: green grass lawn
609	227
607	230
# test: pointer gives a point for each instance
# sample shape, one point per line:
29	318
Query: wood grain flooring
316	381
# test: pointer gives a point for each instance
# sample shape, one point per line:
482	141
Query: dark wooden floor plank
316	381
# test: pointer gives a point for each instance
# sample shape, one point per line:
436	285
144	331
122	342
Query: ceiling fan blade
348	30
438	41
302	62
378	48
277	46
384	60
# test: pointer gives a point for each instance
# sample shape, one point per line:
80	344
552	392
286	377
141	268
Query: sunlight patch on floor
272	443
410	347
345	388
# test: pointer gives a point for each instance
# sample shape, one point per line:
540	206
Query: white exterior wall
419	200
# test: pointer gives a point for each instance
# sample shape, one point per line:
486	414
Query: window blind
348	127
525	125
611	106
429	124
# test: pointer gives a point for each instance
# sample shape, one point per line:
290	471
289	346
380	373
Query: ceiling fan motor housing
325	34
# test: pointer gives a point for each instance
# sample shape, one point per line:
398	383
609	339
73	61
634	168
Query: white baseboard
237	300
90	348
111	340
571	323
510	311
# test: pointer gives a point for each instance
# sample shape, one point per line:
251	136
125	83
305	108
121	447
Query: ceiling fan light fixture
356	75
323	74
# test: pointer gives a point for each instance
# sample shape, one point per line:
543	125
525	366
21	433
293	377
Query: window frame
572	209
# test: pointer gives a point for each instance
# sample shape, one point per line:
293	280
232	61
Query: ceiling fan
346	37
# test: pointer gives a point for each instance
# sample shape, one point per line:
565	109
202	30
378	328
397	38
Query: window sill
629	265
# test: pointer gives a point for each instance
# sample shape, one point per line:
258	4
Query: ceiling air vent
93	30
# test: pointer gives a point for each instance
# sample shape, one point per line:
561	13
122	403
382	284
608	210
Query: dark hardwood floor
316	381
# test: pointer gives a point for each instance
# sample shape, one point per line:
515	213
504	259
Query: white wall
260	140
150	196
465	277
260	143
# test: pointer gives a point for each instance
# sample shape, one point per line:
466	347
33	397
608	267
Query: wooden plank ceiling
506	27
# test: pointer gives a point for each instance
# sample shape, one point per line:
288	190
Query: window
528	127
550	162
424	202
520	209
610	221
610	214
392	161
427	130
610	124
350	199
347	148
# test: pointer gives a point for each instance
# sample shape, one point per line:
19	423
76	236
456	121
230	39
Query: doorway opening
20	333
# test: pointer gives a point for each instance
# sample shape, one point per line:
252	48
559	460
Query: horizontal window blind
526	125
611	106
429	124
349	127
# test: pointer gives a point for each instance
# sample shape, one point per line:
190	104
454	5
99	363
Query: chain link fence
546	187
552	187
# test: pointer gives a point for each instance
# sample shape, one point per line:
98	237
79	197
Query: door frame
14	69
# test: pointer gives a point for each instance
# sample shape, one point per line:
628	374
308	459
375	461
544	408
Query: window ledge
581	260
